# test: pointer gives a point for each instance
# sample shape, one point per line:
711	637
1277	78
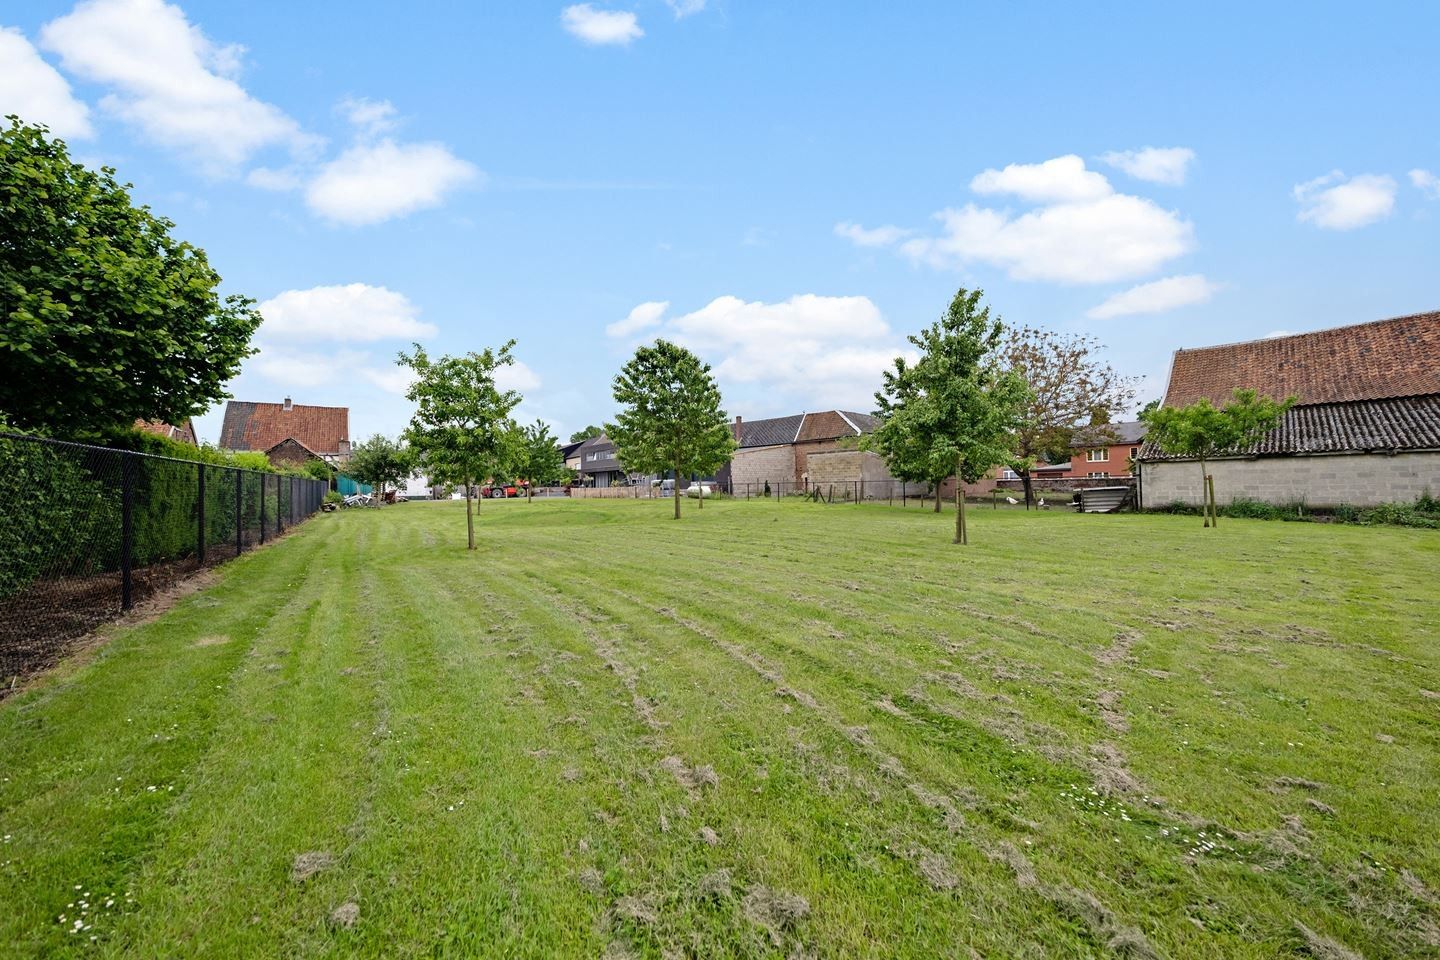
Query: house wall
1359	480
757	466
288	454
1118	464
849	466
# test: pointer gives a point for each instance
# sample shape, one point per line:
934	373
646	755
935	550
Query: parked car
496	491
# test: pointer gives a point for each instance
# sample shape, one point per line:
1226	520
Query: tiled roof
768	433
185	433
1367	361
1399	423
259	426
1130	431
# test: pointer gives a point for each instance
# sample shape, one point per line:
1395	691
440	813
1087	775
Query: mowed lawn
766	730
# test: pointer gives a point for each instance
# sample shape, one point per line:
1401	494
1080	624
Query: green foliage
334	497
319	470
589	433
380	462
955	410
540	461
105	318
670	416
461	431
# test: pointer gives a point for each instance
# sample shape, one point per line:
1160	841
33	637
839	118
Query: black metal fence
897	492
87	532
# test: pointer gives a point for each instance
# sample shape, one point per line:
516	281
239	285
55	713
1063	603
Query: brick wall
1359	480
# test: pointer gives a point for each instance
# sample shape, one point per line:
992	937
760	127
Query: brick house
184	433
815	448
1365	428
287	433
1102	452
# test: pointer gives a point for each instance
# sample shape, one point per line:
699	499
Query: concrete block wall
1357	480
760	465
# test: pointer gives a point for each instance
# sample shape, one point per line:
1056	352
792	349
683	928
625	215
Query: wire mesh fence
87	532
897	492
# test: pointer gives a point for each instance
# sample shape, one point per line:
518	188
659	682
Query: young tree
461	431
589	433
955	409
670	417
105	318
1202	431
380	462
1070	386
541	460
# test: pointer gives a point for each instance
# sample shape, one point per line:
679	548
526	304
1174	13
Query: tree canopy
670	416
105	317
1201	431
956	408
589	433
1070	387
540	460
461	431
380	462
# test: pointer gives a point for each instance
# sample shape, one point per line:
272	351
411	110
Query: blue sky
790	189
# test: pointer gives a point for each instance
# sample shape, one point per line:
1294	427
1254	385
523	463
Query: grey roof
768	433
1393	424
1130	431
864	421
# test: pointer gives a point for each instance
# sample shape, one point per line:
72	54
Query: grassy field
769	729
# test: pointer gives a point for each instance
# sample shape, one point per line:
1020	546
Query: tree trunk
469	515
1204	493
700	498
960	537
936	491
1029	487
677	492
1214	510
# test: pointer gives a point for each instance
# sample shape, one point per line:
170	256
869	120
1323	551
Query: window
1134	452
1097	474
1098	455
1008	474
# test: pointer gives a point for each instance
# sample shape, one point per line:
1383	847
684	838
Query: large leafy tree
540	460
589	433
461	431
1202	431
670	416
380	462
105	317
956	408
1070	387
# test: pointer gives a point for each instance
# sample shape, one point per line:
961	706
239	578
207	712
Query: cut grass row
767	728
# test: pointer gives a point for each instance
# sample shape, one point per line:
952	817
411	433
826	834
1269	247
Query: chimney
738	423
288	404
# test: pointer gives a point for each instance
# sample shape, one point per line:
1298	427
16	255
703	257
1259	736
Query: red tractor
495	491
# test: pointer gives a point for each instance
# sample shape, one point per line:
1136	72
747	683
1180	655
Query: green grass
767	729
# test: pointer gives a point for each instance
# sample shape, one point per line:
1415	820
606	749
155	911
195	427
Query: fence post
127	528
200	529
262	508
239	516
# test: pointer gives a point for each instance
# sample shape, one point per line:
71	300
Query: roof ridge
1310	333
858	431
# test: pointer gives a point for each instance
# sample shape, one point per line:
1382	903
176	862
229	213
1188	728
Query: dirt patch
640	909
709	836
211	640
775	910
570	774
1429	694
1121	938
937	872
308	864
1296	783
1324	948
1109	703
345	916
1119	649
1416	886
590	879
691	778
715	885
1107	766
1319	806
1384	738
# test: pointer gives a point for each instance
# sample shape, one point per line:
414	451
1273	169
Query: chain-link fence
897	492
87	532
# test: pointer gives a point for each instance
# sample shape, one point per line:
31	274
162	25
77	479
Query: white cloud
643	317
36	92
369	117
1167	165
1426	182
1278	333
601	26
873	236
807	352
1062	179
1336	203
171	81
684	8
354	312
517	376
1156	297
369	183
279	180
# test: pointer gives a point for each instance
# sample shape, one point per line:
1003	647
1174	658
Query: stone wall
1358	480
756	466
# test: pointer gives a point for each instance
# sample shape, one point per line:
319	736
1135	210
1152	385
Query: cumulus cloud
171	81
806	352
1335	202
1426	182
354	312
369	117
600	27
278	180
1062	179
1156	297
1080	231
517	376
643	317
1167	165
684	8
36	92
885	236
373	182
